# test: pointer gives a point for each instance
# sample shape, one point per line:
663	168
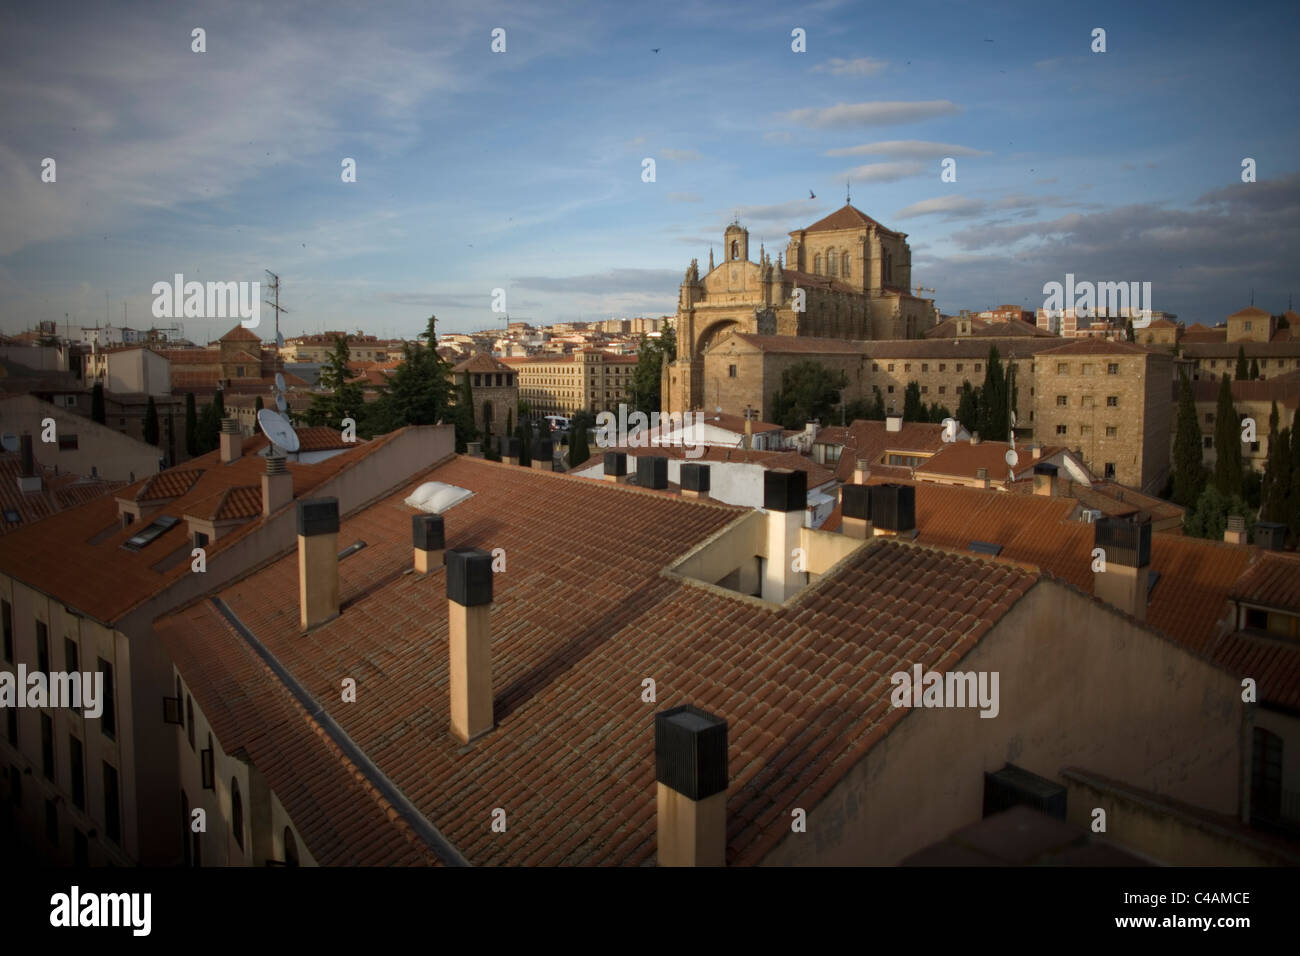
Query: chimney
429	539
544	455
1235	533
691	787
695	480
318	561
277	485
785	496
893	423
508	445
232	442
29	477
861	470
974	438
652	471
893	511
469	637
474	449
1126	546
616	467
1037	450
855	511
981	477
749	431
1044	478
1269	535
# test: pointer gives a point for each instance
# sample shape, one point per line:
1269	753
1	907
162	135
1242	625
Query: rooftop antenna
848	196
274	286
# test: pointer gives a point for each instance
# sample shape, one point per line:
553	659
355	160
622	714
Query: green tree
1129	334
344	399
808	391
1210	518
652	354
257	404
994	421
420	392
1227	443
968	407
1254	369
913	407
1189	470
191	426
525	435
1276	482
151	433
1243	369
97	413
579	424
1293	499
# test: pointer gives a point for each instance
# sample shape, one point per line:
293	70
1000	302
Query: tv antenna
273	285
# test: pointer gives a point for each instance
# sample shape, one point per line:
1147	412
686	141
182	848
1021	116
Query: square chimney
855	511
469	639
1126	551
616	467
232	441
893	510
691	776
544	455
430	541
1045	479
695	480
508	445
1270	535
652	471
318	561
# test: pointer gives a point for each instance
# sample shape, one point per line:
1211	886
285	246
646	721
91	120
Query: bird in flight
656	49
811	194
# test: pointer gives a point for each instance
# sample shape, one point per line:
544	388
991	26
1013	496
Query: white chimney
232	442
893	423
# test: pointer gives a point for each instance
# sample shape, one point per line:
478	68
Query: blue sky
522	170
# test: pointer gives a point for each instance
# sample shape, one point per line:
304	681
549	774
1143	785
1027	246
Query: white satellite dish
10	442
280	403
277	428
279	382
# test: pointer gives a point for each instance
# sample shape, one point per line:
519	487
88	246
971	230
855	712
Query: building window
47	746
943	389
7	621
978	367
1062	400
1112	368
108	722
1254	446
290	848
731	371
77	761
817	264
891	366
925	389
42	648
239	371
943	366
1112	431
907	366
1062	368
1060	429
1209	418
1112	401
1208	441
236	812
67	443
1085	369
832	262
1110	471
189	718
891	390
1246	326
1085	429
959	364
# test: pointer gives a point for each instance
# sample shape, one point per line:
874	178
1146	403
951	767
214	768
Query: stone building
495	390
844	277
587	379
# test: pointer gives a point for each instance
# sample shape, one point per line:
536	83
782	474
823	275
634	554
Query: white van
558	423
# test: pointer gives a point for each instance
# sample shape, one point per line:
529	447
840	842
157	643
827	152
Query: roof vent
986	547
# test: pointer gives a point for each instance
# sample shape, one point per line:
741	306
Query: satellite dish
280	403
277	428
279	382
10	441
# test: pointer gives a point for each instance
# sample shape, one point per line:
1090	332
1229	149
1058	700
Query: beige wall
1079	686
115	456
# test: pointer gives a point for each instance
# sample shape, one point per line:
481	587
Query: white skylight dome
435	497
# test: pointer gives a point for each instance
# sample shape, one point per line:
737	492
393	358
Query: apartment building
1250	399
585	380
79	591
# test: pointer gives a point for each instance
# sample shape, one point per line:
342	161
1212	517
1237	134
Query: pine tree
344	399
1254	369
1189	471
1227	443
257	404
1276	492
913	408
993	417
191	426
97	412
877	404
1242	371
151	422
968	408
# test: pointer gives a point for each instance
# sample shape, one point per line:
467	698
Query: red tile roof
571	756
57	492
963	460
231	504
871	440
240	334
846	217
1096	346
1274	582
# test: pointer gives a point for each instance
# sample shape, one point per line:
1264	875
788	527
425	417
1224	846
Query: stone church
854	276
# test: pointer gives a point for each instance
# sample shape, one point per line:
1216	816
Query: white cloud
680	155
882	172
878	113
862	66
685	197
906	149
950	206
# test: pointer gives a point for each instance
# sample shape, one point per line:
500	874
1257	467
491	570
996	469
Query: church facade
844	277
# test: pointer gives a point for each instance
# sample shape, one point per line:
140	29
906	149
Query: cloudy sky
522	170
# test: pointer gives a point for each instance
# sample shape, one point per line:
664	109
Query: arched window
290	848
817	265
844	265
832	263
236	812
735	248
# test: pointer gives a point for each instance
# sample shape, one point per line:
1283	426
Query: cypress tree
191	426
1189	472
97	412
913	408
968	408
993	419
578	450
1242	371
151	422
1293	495
1227	443
877	404
257	405
1254	369
1276	493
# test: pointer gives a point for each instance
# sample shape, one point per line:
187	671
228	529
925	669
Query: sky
522	170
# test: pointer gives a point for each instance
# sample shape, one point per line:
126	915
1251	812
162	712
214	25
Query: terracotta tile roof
242	356
967	348
1279	387
1249	312
65	556
1273	663
963	460
1288	348
871	440
846	217
983	328
229	505
322	438
811	280
57	492
1096	346
569	651
240	334
1273	581
197	356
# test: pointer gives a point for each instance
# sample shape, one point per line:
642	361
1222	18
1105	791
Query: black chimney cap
652	471
545	449
695	477
616	463
855	501
318	516
691	751
469	576
1270	535
427	532
785	489
508	446
893	507
1127	543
